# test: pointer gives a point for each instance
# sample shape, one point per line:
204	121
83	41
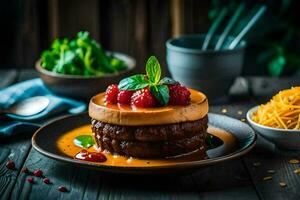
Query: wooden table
238	179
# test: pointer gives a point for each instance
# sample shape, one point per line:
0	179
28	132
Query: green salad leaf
80	56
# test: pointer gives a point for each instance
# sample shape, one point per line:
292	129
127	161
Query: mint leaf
153	70
167	81
134	82
84	141
161	93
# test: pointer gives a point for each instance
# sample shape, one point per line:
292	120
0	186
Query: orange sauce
66	146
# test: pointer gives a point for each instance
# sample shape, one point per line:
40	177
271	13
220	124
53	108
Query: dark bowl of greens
80	68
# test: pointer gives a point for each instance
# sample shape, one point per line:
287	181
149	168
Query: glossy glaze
130	116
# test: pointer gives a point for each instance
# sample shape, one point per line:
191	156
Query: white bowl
282	138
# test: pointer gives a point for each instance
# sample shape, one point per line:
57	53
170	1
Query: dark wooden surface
135	27
238	179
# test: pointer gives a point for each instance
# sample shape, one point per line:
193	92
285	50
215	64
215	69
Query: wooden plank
195	16
27	40
53	17
7	77
9	149
270	189
16	148
159	30
117	26
217	182
228	181
267	156
177	17
27	74
17	151
74	16
141	34
263	88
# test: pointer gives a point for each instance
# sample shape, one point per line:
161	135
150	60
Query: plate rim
126	169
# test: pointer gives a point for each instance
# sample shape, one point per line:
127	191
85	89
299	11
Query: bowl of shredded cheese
278	120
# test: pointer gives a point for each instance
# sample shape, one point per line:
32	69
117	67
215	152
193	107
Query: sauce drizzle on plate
90	156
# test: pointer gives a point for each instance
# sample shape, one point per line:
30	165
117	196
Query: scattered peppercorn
46	181
282	184
38	173
267	178
224	110
297	171
294	161
62	189
10	164
25	170
30	180
271	171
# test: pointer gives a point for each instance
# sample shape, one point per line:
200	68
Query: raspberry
179	95
111	94
38	173
143	98
124	97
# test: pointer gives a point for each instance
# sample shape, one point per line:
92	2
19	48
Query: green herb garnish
161	93
134	82
84	141
158	87
80	56
168	81
212	141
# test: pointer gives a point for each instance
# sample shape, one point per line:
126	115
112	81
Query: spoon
250	24
28	107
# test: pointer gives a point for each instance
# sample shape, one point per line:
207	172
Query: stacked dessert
145	116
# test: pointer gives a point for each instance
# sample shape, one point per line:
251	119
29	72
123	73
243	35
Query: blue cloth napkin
14	124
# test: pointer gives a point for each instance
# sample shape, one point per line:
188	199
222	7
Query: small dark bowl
83	87
210	71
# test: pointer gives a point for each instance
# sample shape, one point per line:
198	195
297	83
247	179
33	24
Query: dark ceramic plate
237	137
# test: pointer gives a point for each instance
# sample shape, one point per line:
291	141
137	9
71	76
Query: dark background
141	27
